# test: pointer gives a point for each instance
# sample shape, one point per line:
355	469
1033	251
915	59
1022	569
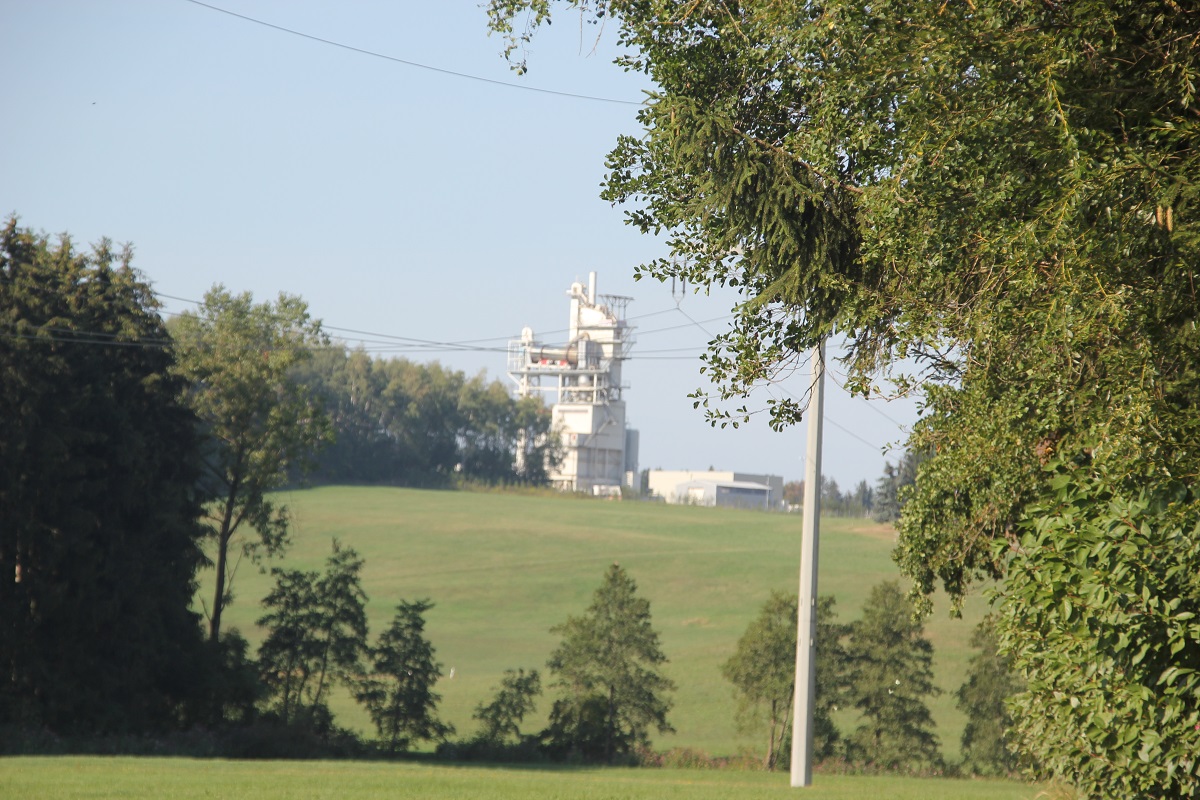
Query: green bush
1100	612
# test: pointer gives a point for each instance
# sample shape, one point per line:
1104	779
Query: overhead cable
415	64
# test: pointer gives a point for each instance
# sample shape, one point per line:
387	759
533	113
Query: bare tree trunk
612	724
223	537
769	762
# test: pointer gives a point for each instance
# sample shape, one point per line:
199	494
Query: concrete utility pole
805	693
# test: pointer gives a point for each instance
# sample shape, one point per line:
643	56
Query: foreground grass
504	568
61	778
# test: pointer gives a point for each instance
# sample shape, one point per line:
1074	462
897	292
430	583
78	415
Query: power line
89	338
408	63
57	335
690	324
866	400
697	324
837	425
466	345
60	335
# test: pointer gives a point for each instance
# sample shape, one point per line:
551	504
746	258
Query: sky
425	200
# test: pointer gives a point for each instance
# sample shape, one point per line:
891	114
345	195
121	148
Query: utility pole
805	693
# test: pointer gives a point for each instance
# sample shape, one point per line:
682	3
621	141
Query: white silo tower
582	380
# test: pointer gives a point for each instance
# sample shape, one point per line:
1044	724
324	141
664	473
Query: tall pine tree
890	678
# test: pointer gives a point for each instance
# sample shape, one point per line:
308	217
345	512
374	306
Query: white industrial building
582	381
716	488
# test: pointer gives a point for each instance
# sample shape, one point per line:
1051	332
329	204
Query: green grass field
504	568
184	779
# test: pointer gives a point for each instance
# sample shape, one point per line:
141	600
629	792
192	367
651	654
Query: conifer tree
608	666
991	682
99	513
398	694
890	678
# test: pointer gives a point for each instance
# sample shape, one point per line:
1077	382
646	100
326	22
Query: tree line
610	690
134	453
881	502
881	667
403	423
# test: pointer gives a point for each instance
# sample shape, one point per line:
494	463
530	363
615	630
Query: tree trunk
214	624
223	537
612	724
769	762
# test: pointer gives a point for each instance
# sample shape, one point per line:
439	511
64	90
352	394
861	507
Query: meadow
92	778
504	568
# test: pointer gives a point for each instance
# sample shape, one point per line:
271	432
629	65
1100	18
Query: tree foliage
99	514
894	487
608	666
889	679
856	502
237	357
423	424
991	683
517	696
994	200
1101	616
398	694
762	670
316	635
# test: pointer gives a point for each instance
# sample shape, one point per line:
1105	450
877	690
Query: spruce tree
991	681
890	678
99	513
608	666
398	694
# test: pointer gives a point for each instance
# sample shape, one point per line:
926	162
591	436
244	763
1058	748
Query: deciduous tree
424	425
1106	577
516	697
237	357
316	634
763	672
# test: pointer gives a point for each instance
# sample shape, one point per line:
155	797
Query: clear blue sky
396	200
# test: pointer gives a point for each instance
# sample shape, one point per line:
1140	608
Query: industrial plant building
581	378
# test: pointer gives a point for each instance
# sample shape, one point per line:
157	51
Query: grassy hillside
503	569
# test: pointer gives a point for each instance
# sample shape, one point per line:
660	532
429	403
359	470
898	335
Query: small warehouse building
717	488
727	494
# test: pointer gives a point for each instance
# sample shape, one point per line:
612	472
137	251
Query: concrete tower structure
582	380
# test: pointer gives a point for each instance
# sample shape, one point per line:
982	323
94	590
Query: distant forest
881	502
403	423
